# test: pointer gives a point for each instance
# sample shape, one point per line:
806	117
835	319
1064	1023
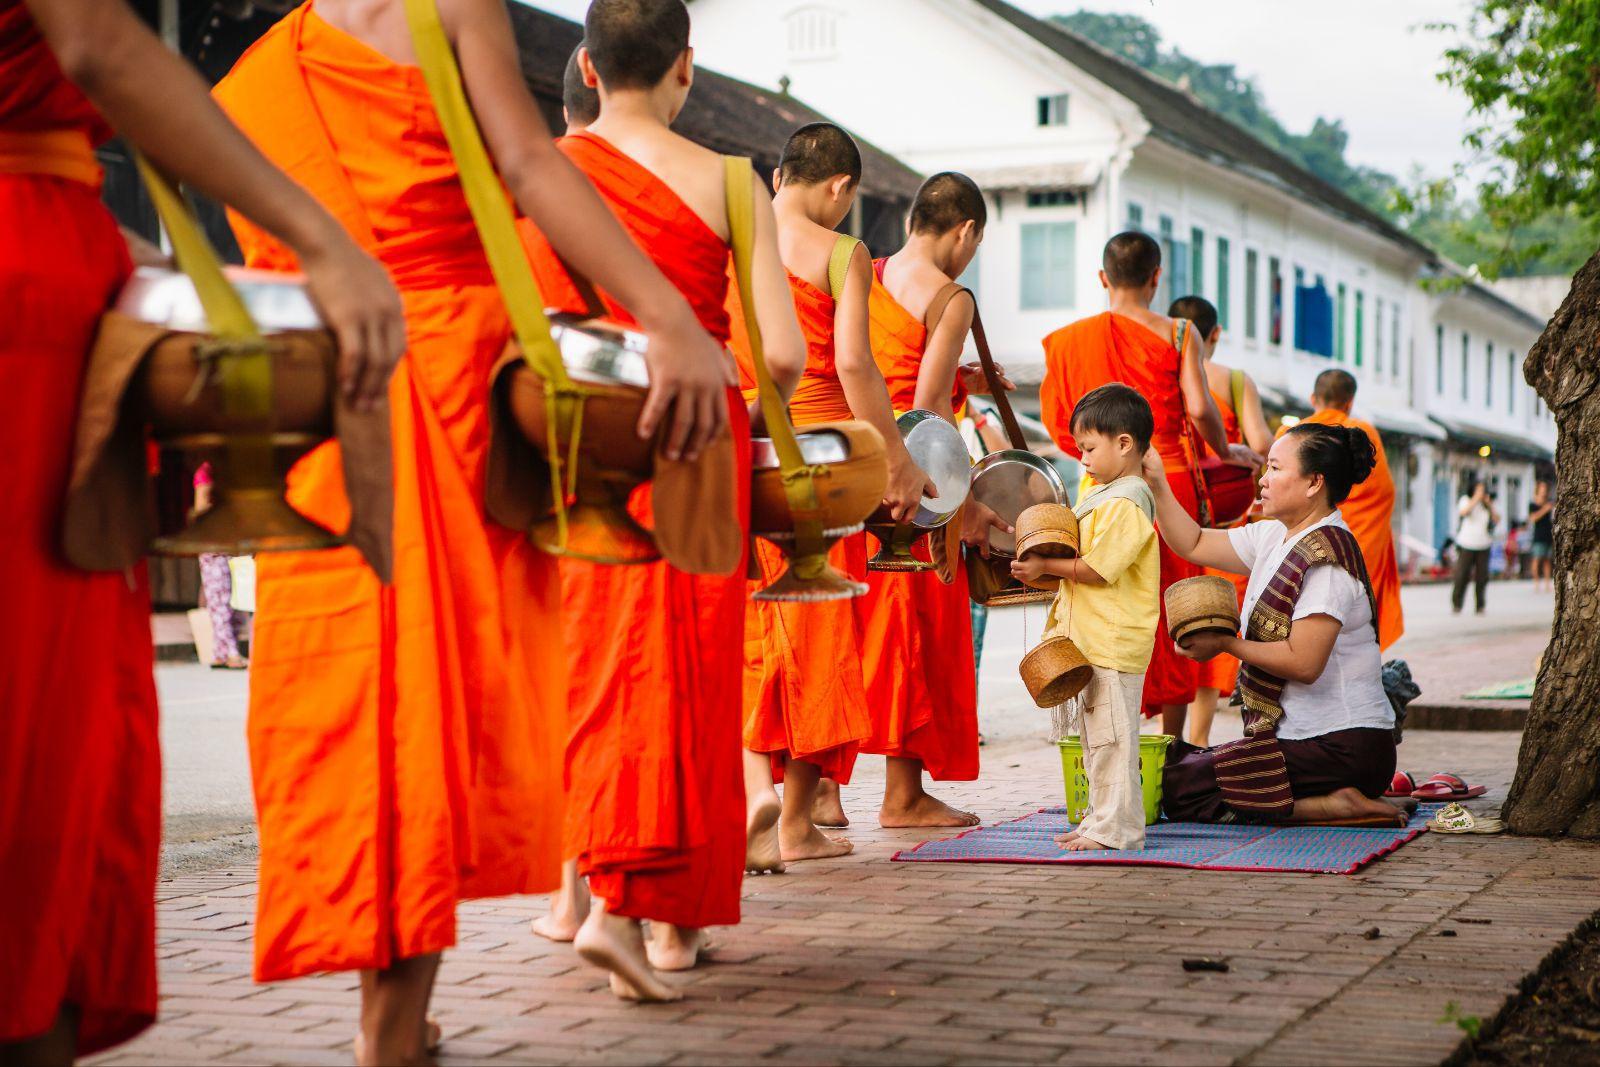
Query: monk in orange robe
655	792
406	742
917	644
1134	345
80	777
805	700
1370	507
1218	676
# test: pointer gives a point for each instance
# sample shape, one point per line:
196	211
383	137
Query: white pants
1109	709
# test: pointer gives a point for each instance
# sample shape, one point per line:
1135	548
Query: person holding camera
1476	520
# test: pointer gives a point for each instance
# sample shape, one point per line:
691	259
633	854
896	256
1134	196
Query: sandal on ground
237	663
1448	787
1403	785
1454	819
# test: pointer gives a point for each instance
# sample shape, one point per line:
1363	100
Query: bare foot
615	944
432	1039
1068	838
762	852
827	809
675	948
810	843
924	810
1344	804
1084	844
569	907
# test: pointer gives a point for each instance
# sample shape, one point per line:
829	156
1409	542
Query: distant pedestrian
1541	520
216	587
1476	520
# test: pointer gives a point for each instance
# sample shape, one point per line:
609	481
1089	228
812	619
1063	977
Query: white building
1073	144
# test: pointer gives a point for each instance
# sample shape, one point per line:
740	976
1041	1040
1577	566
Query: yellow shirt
1113	625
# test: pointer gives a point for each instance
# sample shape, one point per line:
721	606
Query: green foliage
1531	71
1467	1024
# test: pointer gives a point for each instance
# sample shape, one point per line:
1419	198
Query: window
1377	335
1488	375
1511	382
1394	341
1048	254
1338	326
813	33
1361	325
1251	284
1275	296
1223	251
1135	216
1052	198
1438	360
1169	262
1466	371
1197	263
1053	110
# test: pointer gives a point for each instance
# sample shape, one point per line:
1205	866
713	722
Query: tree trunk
1557	787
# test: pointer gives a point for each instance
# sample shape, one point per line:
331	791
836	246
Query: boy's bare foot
809	843
675	948
923	810
827	809
762	852
1084	844
1068	838
615	944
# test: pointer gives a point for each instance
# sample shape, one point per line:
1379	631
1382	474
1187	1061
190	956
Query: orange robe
654	776
1107	348
1369	510
922	687
1221	672
406	741
804	694
80	775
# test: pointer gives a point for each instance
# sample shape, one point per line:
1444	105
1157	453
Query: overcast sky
1369	62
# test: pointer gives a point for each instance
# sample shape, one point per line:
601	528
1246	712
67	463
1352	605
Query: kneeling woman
1319	730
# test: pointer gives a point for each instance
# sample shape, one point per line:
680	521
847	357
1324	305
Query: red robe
1112	348
922	687
804	695
1221	672
80	775
654	778
406	741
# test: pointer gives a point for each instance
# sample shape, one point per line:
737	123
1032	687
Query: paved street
862	960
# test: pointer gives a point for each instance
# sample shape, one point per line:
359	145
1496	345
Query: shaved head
1335	388
1131	259
945	202
582	103
817	152
634	43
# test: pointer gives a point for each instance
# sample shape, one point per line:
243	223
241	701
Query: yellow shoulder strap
486	195
844	249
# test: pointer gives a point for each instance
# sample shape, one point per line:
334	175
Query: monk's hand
977	521
908	484
1201	647
974	381
1027	570
361	305
689	378
1245	456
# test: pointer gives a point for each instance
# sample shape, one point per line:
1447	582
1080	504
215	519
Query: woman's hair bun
1363	457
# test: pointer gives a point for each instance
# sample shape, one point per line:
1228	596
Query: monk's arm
689	372
1197	400
1301	658
781	339
1253	420
941	357
157	101
1208	548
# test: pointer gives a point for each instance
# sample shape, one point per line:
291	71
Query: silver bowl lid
1010	482
819	446
937	447
276	301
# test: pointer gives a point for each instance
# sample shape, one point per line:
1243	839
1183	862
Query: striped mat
1197	846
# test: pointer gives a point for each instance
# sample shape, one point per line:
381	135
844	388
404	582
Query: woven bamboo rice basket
1202	604
1055	672
1049	530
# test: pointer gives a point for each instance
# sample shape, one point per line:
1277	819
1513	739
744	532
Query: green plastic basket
1152	759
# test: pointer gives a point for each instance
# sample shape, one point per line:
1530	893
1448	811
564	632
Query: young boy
1108	604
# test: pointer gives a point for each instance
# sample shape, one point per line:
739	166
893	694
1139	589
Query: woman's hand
1206	645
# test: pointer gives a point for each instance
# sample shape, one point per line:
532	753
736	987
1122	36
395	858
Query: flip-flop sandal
1454	819
1448	787
1404	785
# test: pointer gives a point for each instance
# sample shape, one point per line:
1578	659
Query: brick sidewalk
866	961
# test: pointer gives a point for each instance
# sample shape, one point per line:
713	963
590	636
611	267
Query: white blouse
1349	694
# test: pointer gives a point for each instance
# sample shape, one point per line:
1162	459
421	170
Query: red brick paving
864	961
